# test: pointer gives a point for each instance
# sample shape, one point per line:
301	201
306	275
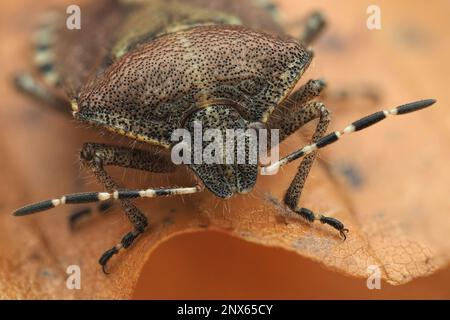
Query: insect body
154	67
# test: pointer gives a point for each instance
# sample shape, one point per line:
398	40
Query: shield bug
143	69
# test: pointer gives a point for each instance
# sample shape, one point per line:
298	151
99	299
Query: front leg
96	156
292	196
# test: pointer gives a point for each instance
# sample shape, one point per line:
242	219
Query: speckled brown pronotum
142	69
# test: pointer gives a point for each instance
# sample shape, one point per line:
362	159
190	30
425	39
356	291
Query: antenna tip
33	208
20	212
415	106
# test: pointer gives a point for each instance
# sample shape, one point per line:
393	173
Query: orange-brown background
414	42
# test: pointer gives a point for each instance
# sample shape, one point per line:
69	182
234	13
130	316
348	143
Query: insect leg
320	141
136	217
80	214
124	157
97	156
75	216
124	243
311	111
44	56
315	24
295	112
297	119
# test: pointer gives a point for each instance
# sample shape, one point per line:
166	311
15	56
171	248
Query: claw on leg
126	241
310	216
342	233
105	258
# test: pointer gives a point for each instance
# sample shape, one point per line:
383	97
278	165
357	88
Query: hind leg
31	86
315	24
45	86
